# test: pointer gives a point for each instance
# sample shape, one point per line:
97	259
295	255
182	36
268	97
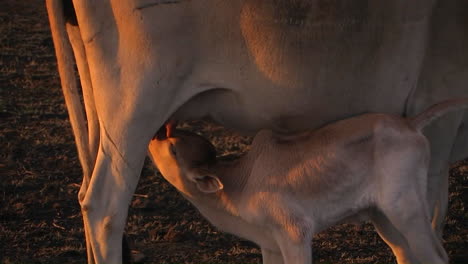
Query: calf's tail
435	111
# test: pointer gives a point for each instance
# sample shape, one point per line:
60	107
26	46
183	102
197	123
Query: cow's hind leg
112	185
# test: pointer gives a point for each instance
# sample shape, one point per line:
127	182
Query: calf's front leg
294	240
291	230
271	257
294	252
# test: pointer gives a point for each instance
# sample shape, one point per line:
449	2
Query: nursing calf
286	189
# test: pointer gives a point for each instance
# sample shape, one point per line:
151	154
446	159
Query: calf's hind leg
394	239
410	216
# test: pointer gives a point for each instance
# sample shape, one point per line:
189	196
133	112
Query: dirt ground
40	219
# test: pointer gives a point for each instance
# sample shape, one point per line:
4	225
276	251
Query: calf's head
186	160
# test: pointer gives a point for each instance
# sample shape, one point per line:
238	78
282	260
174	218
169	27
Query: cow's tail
64	53
435	111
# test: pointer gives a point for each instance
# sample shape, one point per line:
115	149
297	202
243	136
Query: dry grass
40	220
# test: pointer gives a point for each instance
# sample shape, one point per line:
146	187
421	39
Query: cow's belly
299	69
289	112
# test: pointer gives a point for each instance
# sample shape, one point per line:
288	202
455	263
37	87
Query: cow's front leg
441	135
109	193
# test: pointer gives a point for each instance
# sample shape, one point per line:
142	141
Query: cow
284	65
286	189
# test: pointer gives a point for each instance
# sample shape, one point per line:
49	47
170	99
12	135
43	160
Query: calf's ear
170	127
206	182
209	184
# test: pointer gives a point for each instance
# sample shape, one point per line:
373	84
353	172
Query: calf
286	189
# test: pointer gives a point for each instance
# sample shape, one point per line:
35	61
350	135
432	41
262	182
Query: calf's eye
173	150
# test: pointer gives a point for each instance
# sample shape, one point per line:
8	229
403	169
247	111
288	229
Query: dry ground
40	219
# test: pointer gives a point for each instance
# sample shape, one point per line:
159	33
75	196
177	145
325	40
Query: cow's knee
82	195
86	206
